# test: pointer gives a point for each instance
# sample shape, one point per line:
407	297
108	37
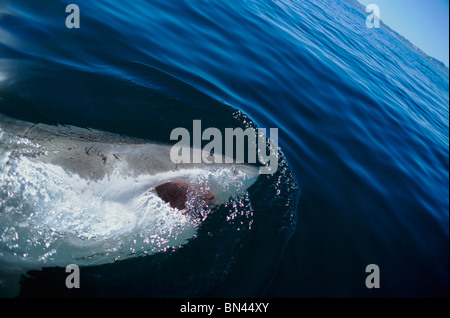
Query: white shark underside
72	195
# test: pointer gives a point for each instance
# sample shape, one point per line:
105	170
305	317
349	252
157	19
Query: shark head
80	196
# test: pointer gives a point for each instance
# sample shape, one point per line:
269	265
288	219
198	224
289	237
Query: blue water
363	122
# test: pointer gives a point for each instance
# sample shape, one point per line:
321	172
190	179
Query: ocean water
363	121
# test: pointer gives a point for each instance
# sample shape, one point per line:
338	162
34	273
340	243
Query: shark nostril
174	193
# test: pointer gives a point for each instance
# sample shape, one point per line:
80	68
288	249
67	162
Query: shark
72	195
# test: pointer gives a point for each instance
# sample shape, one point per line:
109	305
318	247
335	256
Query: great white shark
83	196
